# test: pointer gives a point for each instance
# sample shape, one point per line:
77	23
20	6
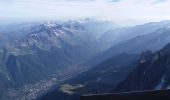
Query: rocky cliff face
151	73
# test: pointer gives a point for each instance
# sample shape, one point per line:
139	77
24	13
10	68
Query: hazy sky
126	12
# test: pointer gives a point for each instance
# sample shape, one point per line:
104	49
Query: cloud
125	12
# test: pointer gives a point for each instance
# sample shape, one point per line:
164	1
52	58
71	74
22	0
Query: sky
124	12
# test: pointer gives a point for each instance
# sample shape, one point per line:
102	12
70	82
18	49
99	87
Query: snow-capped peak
50	24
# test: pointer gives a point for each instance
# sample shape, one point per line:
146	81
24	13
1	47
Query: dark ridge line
163	94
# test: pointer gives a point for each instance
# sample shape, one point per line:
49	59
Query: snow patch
159	86
56	33
8	77
33	35
98	79
50	24
168	87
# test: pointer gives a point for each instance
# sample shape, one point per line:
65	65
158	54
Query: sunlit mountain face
62	49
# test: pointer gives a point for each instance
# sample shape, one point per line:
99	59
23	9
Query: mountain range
50	51
117	63
63	60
